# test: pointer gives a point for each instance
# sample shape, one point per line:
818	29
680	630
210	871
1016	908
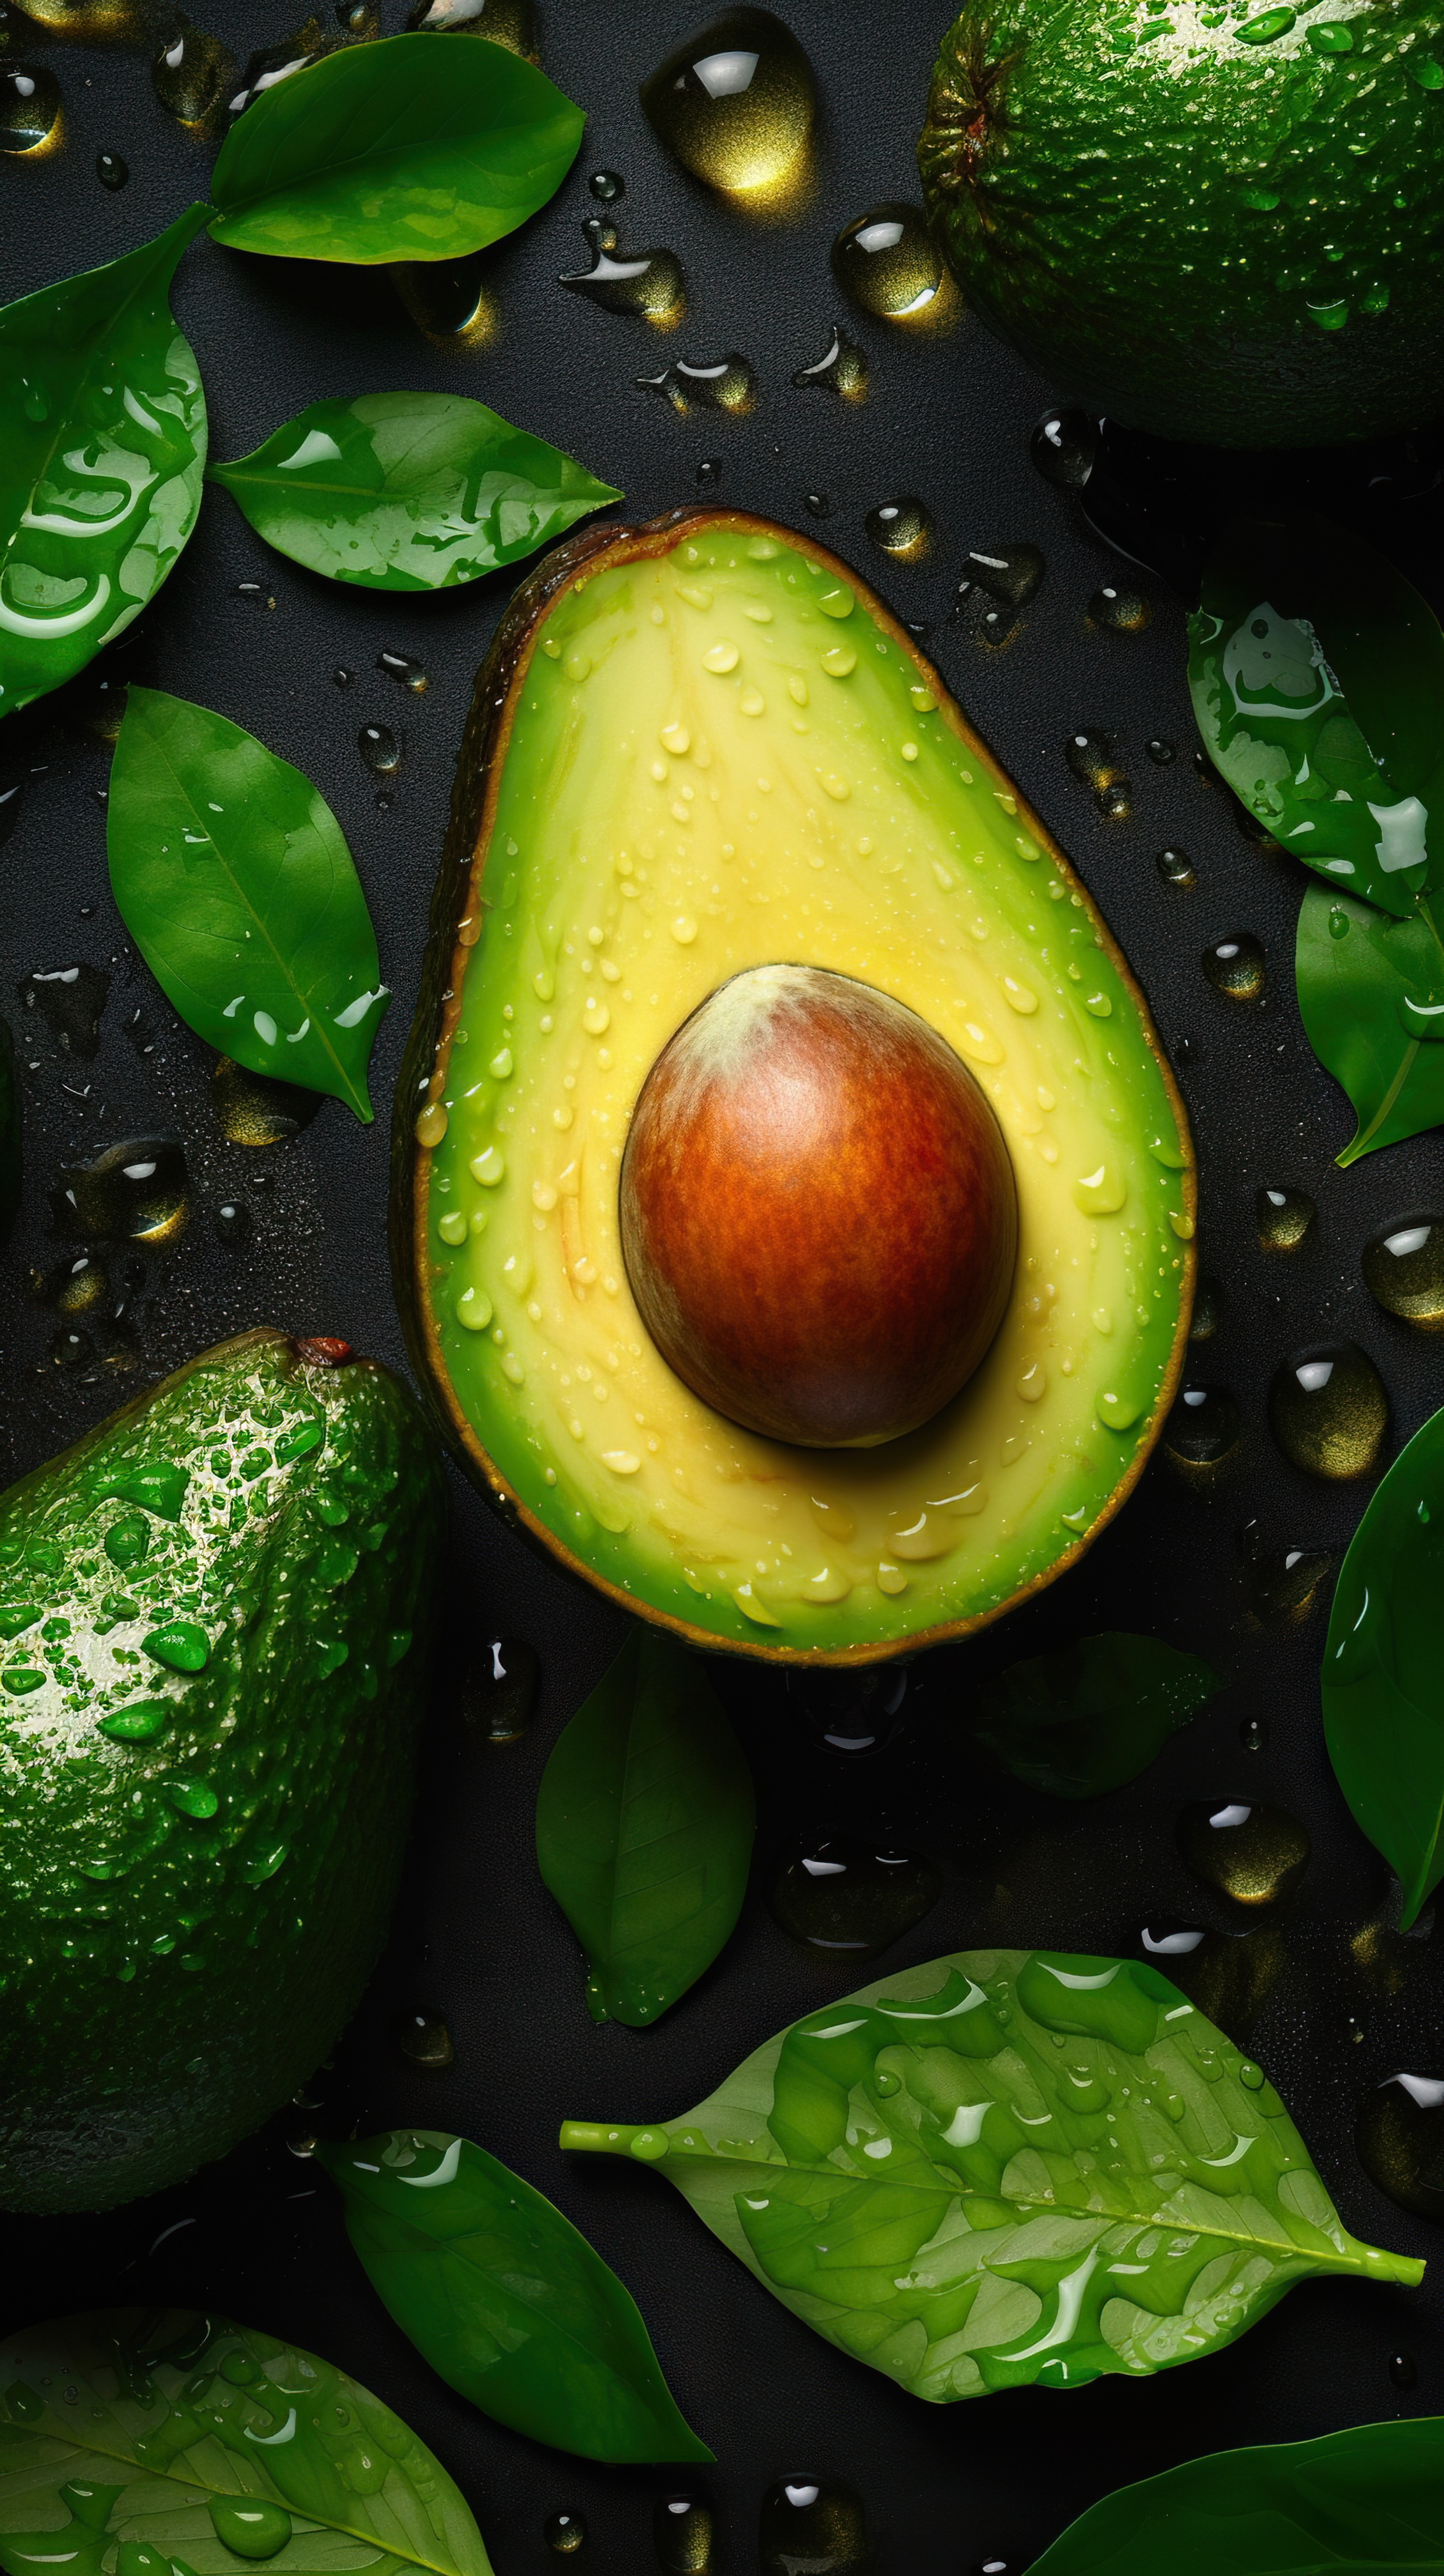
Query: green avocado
213	1624
699	747
1218	224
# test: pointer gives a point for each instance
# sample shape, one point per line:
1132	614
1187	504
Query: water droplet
1256	1855
448	299
424	2040
735	104
1176	868
647	282
1403	1268
813	2525
29	109
846	1713
1400	2142
499	1693
888	262
1011	575
564	2532
842	368
405	670
709	474
110	170
136	1192
723	384
75	1287
1118	611
1252	1734
902	528
1403	2369
253	2529
380	749
1159	751
607	186
1064	446
817	504
1228	1976
252	1109
192	74
683	2532
1284	1586
1328	1411
234	1223
1092	759
846	1900
70	1000
1207	1310
1283	1218
1202	1430
502	22
1338	922
1235	966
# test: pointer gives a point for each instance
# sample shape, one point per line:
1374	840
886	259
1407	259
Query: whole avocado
1222	225
213	1622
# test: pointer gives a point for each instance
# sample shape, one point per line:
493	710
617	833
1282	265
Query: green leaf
644	1827
505	2299
1383	1721
102	446
1005	2167
409	491
1317	674
1076	1723
1354	2504
403	149
194	2444
234	881
1371	996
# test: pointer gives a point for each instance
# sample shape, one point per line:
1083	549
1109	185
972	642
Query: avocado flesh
829	808
188	1918
1211	237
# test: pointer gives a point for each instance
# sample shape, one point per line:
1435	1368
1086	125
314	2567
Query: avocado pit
818	1214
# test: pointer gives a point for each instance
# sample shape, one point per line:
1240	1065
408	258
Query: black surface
948	418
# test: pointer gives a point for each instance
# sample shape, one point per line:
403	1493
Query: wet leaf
1317	674
509	2304
409	491
1088	1719
185	2433
1004	2167
1383	1720
1356	2503
402	149
1371	996
644	1828
232	876
102	445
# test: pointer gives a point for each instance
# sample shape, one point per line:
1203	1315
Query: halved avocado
700	746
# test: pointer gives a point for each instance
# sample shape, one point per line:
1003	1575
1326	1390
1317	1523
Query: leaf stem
592	2137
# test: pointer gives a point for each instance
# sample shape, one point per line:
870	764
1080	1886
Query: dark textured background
947	417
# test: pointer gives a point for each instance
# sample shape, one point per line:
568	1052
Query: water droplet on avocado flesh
760	770
177	1586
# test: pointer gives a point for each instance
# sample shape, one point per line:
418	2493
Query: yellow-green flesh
717	761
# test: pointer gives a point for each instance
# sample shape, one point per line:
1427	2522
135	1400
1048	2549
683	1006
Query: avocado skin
1094	208
124	2064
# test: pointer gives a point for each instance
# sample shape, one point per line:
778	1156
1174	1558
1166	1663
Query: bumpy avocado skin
1208	236
188	1918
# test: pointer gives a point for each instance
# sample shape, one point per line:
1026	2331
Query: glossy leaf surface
188	2429
408	491
234	881
504	2298
1091	1717
1383	1719
1317	674
402	149
644	1828
1371	996
1355	2504
1004	2167
102	447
